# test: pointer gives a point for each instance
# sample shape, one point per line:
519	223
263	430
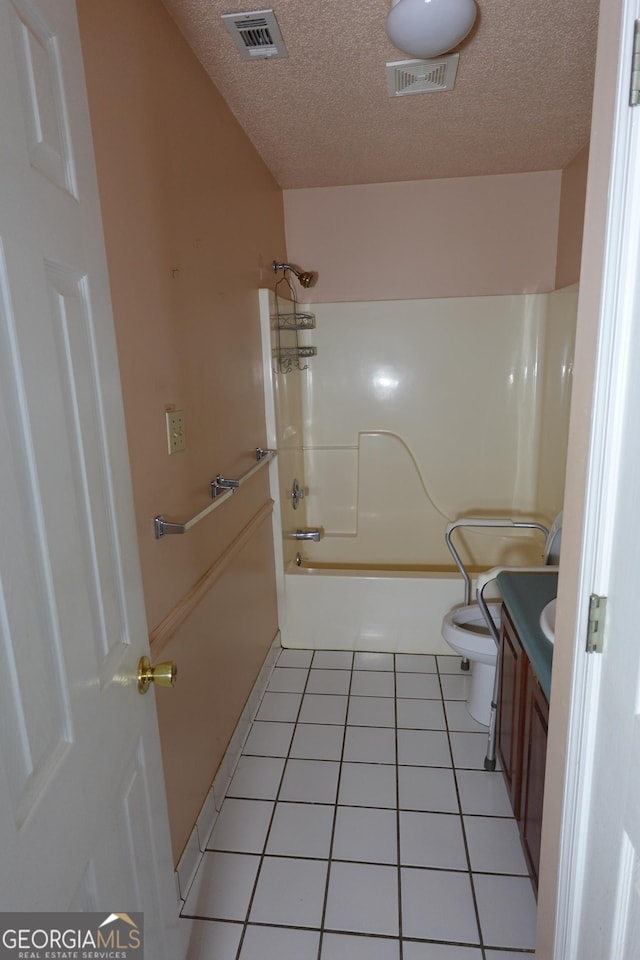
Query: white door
83	822
600	872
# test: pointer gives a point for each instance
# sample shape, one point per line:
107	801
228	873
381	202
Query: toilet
465	630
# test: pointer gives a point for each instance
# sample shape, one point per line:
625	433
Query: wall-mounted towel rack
221	489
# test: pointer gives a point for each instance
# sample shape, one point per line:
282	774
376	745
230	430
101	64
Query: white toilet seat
466	632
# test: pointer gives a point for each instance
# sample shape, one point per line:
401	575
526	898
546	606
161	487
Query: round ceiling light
428	28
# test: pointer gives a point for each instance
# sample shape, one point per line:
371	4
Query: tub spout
309	533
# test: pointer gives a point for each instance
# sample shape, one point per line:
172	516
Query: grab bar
483	522
309	533
221	489
221	485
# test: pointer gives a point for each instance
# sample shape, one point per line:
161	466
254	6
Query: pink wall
431	238
571	221
192	220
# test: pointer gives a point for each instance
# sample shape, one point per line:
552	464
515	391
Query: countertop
525	595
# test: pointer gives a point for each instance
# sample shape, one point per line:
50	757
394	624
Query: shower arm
306	278
483	522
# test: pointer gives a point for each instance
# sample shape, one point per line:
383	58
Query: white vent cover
421	76
256	34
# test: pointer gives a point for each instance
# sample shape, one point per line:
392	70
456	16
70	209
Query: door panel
83	821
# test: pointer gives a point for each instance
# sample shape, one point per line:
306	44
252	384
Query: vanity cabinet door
513	664
536	722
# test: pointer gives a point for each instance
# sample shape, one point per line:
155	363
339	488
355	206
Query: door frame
605	317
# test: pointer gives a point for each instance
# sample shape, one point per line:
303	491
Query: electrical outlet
176	439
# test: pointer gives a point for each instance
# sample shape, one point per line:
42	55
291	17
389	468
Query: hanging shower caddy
289	322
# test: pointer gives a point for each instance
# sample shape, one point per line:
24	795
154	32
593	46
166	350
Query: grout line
462	825
335	817
273	813
399	871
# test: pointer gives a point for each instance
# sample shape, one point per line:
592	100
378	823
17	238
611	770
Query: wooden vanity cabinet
512	665
522	722
534	758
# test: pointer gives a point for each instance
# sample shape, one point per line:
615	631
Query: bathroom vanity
525	661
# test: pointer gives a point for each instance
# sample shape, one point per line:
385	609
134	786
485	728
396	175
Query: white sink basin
548	620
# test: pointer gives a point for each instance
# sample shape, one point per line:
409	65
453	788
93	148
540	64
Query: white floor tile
442	951
438	905
289	804
332	660
362	898
223	886
242	826
450	664
455	687
418	686
370	745
469	749
373	661
483	793
295	658
317	741
287	680
372	683
323	708
279	706
494	845
343	946
432	840
213	938
277	943
367	785
290	892
427	788
459	718
310	781
368	836
301	830
329	681
424	748
507	910
415	663
269	739
372	712
421	714
257	778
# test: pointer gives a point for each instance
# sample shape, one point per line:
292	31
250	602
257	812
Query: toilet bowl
466	632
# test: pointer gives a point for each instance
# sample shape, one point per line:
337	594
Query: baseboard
205	822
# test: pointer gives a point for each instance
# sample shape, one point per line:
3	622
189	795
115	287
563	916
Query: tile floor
360	824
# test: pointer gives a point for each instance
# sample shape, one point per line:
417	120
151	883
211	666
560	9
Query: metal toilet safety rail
481	583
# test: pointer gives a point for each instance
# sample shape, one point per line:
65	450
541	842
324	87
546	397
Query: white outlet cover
176	439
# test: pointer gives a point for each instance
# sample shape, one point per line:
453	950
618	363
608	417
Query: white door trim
615	322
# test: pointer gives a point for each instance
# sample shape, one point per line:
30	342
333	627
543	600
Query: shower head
305	278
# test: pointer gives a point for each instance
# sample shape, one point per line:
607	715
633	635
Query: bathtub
382	610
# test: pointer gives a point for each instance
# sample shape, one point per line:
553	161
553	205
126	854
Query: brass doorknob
164	674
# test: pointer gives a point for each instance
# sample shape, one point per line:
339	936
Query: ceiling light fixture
428	28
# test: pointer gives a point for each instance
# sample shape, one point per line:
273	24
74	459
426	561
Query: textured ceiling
322	116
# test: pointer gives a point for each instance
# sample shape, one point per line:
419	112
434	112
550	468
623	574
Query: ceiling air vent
421	76
256	34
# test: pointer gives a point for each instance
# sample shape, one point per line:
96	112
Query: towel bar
221	489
